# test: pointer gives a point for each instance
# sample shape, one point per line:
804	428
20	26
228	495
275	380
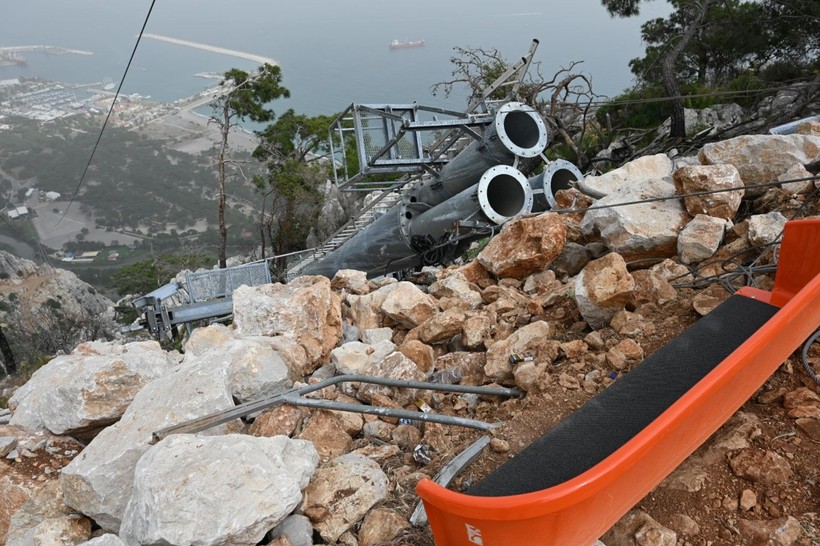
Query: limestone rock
801	396
420	353
525	246
748	500
689	477
572	198
646	230
355	357
456	285
684	524
637	528
703	178
296	529
645	168
651	287
325	430
761	466
673	272
305	309
256	483
473	271
98	482
778	532
372	336
528	374
477	331
45	519
534	339
469	365
572	260
442	326
254	367
107	539
278	421
765	228
761	158
342	492
707	300
796	172
603	288
365	311
810	426
408	305
395	366
37	289
259	366
380	526
15	490
89	388
350	281
203	340
810	127
701	238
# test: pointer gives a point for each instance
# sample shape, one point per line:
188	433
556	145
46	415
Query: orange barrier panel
578	511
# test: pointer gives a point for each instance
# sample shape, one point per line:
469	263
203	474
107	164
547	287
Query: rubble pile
557	305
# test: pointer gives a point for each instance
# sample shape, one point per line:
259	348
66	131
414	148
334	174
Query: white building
52	195
17	212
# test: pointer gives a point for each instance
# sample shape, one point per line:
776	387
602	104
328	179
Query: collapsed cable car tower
437	180
460	178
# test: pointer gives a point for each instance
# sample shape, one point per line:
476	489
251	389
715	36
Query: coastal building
17	212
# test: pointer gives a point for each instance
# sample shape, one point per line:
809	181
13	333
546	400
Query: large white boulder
638	231
762	158
89	388
98	481
305	309
637	171
216	490
342	492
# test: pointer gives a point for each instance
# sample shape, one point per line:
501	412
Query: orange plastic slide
582	508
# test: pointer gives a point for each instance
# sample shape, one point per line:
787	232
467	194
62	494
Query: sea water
332	52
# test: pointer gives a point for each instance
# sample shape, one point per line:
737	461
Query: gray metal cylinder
501	193
518	130
558	175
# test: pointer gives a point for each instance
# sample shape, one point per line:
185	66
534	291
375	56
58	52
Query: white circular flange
483	188
521	108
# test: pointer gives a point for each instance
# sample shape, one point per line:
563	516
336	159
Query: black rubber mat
608	421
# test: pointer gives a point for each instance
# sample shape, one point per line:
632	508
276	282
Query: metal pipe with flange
401	239
517	131
558	175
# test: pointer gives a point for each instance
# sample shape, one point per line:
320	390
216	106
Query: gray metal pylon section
378	206
387	139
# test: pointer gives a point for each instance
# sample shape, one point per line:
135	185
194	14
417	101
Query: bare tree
244	96
564	101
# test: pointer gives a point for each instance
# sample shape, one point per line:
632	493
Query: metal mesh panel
376	131
218	283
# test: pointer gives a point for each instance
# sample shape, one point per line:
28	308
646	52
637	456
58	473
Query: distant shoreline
213	49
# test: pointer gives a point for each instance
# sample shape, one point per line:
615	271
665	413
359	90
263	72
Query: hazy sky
332	52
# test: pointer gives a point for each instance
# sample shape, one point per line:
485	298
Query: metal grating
219	283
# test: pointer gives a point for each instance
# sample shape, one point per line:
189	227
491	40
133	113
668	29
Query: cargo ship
398	44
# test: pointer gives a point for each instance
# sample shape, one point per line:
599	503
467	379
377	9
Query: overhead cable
108	116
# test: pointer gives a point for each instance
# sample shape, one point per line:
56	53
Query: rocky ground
581	299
